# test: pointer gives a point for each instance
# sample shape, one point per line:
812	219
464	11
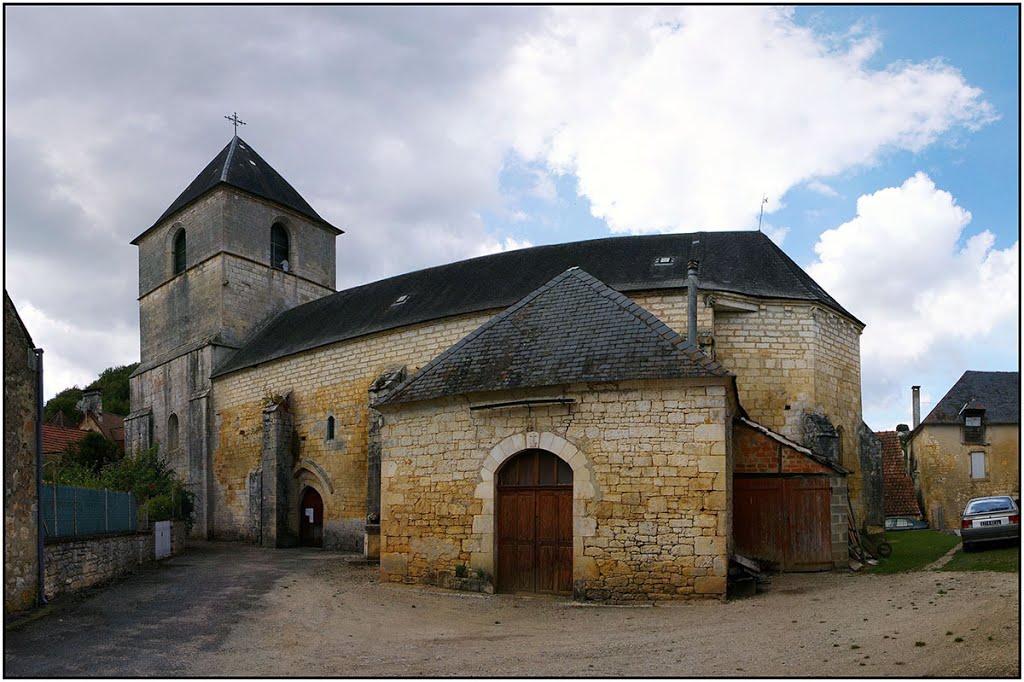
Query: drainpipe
916	392
40	555
691	303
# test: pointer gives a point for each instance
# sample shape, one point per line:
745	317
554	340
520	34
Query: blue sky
885	138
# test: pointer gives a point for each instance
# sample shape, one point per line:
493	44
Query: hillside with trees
113	386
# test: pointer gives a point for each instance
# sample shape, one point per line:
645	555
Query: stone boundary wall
74	564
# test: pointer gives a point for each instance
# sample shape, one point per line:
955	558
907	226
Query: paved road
156	621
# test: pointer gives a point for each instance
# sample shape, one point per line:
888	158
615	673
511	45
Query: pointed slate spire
239	166
572	329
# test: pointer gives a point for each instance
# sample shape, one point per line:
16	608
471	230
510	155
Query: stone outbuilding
402	418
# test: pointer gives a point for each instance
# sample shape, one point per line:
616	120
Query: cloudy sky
886	140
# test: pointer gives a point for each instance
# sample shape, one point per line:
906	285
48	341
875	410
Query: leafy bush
93	452
160	508
146	474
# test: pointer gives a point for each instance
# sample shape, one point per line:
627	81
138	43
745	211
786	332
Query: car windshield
985	506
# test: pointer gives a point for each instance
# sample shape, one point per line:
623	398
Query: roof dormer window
973	415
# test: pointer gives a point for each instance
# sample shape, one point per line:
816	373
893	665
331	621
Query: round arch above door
534	523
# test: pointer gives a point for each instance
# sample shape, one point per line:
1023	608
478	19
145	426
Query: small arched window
279	247
330	428
172	432
179	252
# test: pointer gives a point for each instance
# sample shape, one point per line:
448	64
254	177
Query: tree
65	402
93	452
113	386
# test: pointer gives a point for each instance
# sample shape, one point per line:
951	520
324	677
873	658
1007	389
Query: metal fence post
106	510
55	534
74	508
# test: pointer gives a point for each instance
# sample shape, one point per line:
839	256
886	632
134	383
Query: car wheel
968	547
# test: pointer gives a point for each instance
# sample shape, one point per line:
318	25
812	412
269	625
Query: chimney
92	401
691	303
916	391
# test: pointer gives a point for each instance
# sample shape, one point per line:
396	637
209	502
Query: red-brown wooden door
785	522
534	524
311	519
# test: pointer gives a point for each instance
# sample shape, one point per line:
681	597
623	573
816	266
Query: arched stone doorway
311	519
534	513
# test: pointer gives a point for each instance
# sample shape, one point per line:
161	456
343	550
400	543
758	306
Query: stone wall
771	348
942	468
21	567
327	382
179	387
74	564
651	483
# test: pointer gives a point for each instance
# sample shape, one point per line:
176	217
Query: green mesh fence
70	511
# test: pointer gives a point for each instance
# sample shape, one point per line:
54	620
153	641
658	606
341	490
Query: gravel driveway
230	609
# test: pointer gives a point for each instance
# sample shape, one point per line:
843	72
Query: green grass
1005	559
914	549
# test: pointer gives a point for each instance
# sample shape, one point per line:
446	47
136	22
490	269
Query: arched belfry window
330	428
172	432
279	247
179	252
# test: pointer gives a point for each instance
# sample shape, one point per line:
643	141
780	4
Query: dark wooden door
784	522
311	519
534	524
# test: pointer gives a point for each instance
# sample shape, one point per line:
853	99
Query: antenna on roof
764	200
234	119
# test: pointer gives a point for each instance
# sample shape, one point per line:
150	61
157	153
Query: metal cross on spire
234	119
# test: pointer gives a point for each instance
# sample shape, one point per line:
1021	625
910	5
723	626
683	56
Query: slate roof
897	484
997	392
572	329
741	262
239	166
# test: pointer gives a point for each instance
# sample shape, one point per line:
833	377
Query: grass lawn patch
914	549
1002	558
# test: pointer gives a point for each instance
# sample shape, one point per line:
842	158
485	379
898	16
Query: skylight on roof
401	299
252	162
664	260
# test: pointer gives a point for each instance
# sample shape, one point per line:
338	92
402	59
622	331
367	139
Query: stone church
610	419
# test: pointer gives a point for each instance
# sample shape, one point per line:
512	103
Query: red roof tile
56	438
899	488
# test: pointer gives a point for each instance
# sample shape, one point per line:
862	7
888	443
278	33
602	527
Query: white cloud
681	118
71	353
931	296
821	188
776	234
495	246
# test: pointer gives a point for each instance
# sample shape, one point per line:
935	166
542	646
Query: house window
172	432
974	430
279	247
179	252
330	428
977	465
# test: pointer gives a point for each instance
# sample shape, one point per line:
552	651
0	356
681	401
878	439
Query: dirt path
309	613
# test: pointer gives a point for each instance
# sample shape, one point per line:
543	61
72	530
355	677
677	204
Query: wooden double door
534	524
785	522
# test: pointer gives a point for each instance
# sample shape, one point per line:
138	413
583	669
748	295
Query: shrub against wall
160	493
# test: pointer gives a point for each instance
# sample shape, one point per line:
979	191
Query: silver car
989	518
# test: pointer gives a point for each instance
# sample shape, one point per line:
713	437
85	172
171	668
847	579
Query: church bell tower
237	247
